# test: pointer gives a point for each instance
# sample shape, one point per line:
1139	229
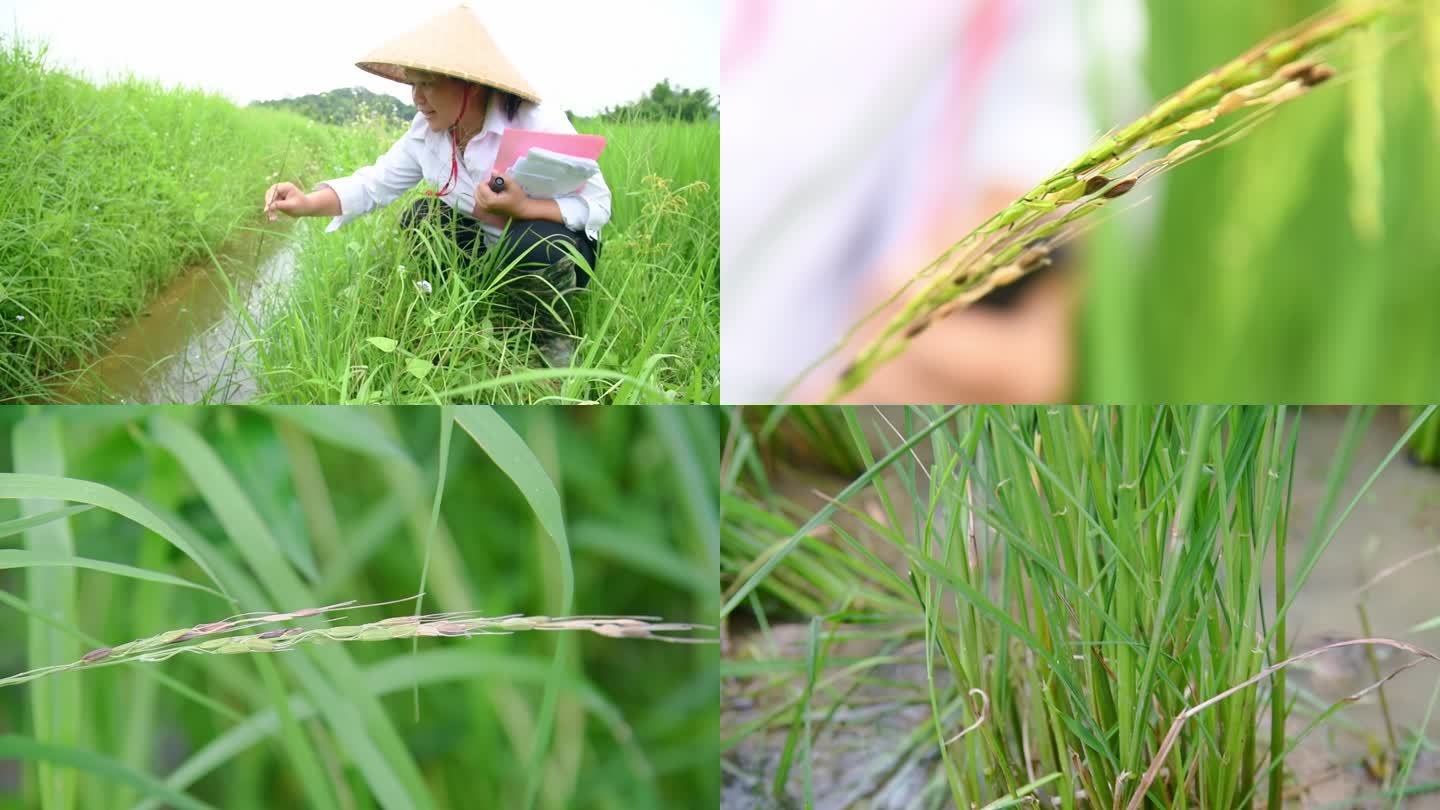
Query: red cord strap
454	152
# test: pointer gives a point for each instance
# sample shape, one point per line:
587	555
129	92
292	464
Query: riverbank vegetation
107	193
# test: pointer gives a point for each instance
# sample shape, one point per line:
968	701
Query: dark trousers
544	274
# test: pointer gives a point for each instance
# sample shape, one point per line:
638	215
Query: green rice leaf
24	558
25	485
355	429
18	525
402	672
54	708
14	747
504	446
648	559
700	479
510	453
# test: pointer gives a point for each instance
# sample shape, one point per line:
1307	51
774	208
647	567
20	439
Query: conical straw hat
454	44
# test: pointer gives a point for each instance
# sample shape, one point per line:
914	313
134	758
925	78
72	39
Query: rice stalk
1021	238
171	643
1367	136
1430	36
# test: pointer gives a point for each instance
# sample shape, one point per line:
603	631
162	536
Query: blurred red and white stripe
847	125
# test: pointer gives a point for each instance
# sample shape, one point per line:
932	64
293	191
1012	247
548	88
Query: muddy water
874	762
189	345
1398	520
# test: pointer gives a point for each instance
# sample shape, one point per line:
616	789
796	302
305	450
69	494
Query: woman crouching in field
467	94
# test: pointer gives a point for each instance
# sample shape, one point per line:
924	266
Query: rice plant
450	625
1072	606
208	607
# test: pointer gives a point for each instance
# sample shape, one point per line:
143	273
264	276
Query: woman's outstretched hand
288	199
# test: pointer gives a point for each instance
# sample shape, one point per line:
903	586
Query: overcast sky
581	54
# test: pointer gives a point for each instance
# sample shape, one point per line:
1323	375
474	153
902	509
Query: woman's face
438	97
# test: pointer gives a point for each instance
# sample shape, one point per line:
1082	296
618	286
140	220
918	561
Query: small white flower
423	286
400	270
19	317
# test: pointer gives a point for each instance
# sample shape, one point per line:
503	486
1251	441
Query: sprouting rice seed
916	330
1295	69
95	655
1036	253
1120	189
1317	74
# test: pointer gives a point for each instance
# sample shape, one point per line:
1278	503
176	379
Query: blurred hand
288	199
1019	354
508	203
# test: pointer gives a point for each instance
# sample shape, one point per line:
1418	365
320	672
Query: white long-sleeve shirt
422	153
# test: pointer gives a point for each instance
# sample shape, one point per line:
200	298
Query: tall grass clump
1083	585
106	194
374	317
207	607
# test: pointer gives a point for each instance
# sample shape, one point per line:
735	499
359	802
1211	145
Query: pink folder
514	143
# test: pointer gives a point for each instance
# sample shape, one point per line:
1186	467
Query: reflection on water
191	344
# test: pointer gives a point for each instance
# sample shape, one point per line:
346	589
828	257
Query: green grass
356	329
1078	578
107	193
543	512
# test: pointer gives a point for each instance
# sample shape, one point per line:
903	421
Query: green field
112	192
126	523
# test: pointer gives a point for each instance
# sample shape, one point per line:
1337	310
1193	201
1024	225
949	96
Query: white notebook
546	175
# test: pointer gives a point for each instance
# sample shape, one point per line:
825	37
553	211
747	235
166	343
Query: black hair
511	102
